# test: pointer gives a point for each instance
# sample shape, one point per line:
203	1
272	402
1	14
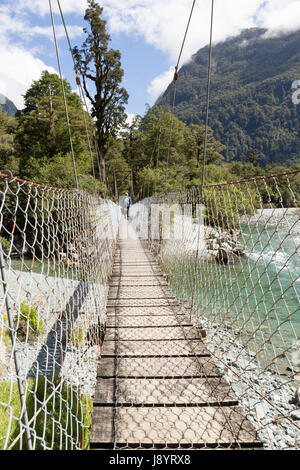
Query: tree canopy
42	140
157	153
100	65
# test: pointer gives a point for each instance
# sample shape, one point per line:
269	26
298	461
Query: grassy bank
63	416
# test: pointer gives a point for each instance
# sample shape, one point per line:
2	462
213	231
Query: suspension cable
81	92
207	99
64	95
185	34
175	78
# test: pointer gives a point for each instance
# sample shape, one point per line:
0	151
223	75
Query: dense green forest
158	152
251	95
35	146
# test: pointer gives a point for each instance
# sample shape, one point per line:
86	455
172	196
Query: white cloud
130	118
12	26
162	23
160	83
19	63
41	7
280	16
73	31
18	69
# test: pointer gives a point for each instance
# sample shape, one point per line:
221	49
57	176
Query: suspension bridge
156	385
175	329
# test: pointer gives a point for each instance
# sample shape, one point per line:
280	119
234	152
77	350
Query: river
259	296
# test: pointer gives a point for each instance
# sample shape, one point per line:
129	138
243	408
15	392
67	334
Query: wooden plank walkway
157	385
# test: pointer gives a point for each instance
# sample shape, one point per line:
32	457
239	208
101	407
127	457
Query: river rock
212	245
223	247
295	415
296	399
227	257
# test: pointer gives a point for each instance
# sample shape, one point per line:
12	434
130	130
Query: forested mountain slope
251	96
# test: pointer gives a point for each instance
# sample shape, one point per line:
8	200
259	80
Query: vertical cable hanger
207	100
157	159
151	161
64	95
205	147
175	78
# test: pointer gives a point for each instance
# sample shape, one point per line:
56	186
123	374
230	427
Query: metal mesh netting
56	253
201	325
231	256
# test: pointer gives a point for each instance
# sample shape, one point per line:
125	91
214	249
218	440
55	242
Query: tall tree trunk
102	167
101	161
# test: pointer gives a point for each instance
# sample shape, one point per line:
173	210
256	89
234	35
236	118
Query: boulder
295	415
227	257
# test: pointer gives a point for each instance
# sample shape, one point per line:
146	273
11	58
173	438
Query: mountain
7	106
251	106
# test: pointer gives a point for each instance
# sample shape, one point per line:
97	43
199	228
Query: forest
251	103
156	154
35	146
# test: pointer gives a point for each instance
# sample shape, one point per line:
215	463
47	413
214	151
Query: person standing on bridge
127	204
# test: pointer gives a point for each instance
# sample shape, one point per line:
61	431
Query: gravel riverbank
290	215
270	401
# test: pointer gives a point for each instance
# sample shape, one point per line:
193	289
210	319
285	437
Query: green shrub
29	315
78	337
5	245
53	421
225	205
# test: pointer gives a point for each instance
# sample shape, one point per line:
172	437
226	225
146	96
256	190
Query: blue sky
147	32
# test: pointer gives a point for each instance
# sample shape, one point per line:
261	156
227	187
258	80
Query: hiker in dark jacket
127	203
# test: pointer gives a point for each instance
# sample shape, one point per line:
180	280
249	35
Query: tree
48	86
118	170
195	142
8	160
253	157
42	135
102	66
158	143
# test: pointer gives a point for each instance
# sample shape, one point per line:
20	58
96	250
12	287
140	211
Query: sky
148	33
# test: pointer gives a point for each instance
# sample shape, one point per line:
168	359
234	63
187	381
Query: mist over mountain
251	104
7	106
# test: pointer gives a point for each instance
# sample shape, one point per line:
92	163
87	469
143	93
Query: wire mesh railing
231	254
56	255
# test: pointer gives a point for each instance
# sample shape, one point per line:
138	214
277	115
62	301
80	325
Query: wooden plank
136	270
154	348
131	321
137	282
146	302
170	392
139	276
152	333
139	292
157	367
157	385
151	278
144	310
134	259
172	426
